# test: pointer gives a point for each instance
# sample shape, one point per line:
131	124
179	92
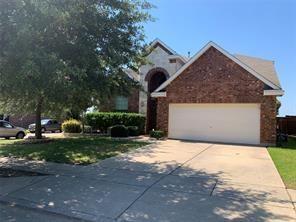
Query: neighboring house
213	96
19	120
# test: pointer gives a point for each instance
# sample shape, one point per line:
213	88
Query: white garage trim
228	123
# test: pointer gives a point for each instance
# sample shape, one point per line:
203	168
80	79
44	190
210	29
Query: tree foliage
278	106
66	54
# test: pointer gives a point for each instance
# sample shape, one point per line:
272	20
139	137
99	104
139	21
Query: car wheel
20	135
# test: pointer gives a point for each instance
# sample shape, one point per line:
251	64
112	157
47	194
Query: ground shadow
167	196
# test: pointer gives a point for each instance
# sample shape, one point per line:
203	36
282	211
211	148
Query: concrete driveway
167	181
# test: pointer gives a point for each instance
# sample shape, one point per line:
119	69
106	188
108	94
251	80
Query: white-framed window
121	103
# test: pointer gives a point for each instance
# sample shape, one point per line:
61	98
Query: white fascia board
274	92
158	94
233	58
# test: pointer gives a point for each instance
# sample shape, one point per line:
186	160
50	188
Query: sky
259	28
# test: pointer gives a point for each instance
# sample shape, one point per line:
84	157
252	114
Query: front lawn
83	150
285	160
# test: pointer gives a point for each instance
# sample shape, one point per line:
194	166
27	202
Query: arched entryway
155	78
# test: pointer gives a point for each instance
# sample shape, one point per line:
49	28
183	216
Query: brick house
213	96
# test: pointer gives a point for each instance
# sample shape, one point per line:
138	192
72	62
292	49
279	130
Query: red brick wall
22	120
108	105
214	78
133	101
268	120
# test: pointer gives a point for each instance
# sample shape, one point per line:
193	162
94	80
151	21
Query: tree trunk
38	129
82	121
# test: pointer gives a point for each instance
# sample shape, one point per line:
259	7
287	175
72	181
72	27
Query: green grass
285	161
82	150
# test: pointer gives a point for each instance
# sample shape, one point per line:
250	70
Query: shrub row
118	131
104	120
133	131
123	131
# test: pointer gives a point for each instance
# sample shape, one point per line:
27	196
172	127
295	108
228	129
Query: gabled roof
263	77
262	66
157	42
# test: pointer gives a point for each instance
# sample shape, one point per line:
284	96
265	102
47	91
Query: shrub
109	131
158	134
87	129
133	131
71	126
103	120
119	131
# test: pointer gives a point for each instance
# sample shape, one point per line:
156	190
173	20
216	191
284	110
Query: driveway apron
167	181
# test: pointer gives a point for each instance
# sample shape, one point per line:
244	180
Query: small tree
278	106
66	54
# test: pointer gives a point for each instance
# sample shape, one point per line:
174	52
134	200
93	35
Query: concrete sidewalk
167	181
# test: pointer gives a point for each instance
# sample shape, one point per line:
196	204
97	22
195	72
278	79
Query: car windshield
44	121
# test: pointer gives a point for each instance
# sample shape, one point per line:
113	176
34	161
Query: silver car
8	130
47	125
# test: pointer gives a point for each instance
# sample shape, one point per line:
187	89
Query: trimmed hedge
87	129
71	126
118	131
133	131
103	120
158	134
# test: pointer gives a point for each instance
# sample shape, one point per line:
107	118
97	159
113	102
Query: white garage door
230	123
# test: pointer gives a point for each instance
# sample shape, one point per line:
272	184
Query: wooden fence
287	125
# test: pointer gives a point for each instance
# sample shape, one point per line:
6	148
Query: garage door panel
236	123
